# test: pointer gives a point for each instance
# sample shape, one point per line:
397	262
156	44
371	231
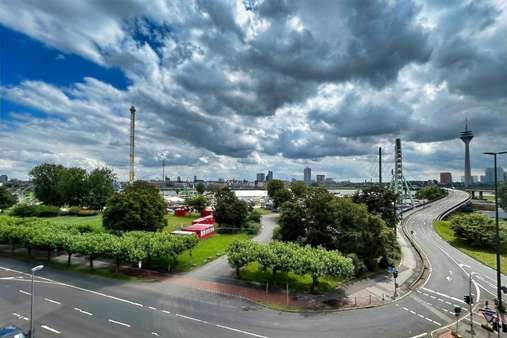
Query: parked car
12	332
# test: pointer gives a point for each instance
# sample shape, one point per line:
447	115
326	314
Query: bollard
370	299
355	300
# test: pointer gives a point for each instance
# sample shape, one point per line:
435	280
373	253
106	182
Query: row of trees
7	199
57	185
131	247
290	257
478	230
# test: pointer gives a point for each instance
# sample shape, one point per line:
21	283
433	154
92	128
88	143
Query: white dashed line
50	329
52	301
240	331
152	308
420	315
19	316
25	293
412	312
83	311
192	318
165	311
155	334
119	323
424	334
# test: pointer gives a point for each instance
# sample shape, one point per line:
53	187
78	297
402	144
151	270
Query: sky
226	89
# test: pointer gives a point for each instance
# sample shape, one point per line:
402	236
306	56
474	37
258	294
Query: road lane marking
192	318
52	301
50	329
155	334
152	308
424	334
117	322
442	295
83	311
25	293
165	311
240	331
20	316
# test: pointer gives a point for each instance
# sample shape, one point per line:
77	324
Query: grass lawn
175	222
263	211
95	221
487	257
252	272
206	250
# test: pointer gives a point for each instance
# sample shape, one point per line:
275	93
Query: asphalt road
72	305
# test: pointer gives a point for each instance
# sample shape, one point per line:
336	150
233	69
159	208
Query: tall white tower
132	174
467	136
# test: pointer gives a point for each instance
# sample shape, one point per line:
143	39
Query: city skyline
228	110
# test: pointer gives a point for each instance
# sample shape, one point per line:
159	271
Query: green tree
229	210
379	201
199	202
100	187
274	186
72	186
241	253
478	231
45	178
7	199
502	195
430	193
281	196
298	188
139	207
292	222
200	188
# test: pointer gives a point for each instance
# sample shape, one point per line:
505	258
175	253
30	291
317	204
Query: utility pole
470	305
380	166
163	172
132	145
497	235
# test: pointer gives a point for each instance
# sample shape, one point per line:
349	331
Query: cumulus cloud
225	89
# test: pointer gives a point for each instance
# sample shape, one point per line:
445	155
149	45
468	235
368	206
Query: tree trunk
29	251
49	255
91	262
315	281
237	271
13	246
69	255
274	273
117	263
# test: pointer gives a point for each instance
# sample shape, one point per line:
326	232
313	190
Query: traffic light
395	273
467	299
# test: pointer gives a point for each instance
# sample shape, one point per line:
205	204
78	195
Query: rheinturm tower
467	136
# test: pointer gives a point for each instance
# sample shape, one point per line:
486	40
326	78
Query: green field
175	222
95	221
252	272
206	250
487	257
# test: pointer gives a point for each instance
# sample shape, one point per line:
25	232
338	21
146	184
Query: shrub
252	227
85	213
255	215
46	211
23	210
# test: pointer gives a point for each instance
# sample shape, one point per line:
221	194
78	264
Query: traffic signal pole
470	305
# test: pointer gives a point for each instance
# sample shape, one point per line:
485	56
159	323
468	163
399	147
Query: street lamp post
498	270
37	268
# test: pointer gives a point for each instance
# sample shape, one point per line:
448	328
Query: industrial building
446	178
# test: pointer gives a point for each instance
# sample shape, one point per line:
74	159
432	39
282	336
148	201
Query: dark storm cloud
362	40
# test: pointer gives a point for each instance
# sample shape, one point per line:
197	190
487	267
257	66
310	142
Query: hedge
130	247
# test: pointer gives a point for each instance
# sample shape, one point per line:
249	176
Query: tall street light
34	269
498	271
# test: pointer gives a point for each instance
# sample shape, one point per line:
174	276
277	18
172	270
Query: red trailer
207	212
204	220
201	230
180	212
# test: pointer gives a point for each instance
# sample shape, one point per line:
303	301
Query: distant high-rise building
490	175
321	179
483	179
195	178
3	179
445	178
269	176
178	179
474	179
308	175
261	177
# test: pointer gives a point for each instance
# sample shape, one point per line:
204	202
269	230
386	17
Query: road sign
390	269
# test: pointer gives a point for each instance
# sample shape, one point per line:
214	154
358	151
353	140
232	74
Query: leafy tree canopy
379	201
198	202
139	207
274	186
200	188
298	188
7	199
502	195
430	193
229	210
281	196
